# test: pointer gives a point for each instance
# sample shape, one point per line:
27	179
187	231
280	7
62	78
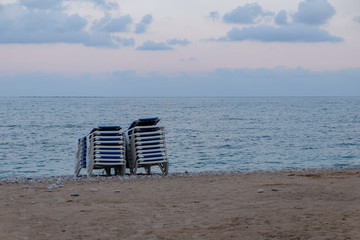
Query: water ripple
38	135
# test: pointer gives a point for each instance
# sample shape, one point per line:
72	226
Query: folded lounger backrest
144	122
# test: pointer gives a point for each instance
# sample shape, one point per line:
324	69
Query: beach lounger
106	150
146	146
103	148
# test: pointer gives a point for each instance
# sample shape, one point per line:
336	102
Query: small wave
347	144
10	126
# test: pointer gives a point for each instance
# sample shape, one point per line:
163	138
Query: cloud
304	26
181	42
281	18
40	4
144	24
126	42
154	46
19	25
111	25
38	21
314	12
227	82
284	33
214	15
105	4
100	39
357	19
248	14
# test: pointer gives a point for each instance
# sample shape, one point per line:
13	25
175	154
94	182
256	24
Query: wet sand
316	204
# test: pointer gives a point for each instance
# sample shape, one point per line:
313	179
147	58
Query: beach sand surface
315	204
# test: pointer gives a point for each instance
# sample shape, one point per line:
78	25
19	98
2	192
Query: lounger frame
146	147
103	148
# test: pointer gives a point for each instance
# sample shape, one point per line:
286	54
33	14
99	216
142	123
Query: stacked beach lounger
81	155
105	149
146	146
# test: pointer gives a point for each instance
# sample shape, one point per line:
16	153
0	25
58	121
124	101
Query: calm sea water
38	136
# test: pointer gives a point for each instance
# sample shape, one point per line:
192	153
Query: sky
179	48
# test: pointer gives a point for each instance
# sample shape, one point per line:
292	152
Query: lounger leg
120	170
148	170
77	172
135	169
164	168
89	174
108	171
77	168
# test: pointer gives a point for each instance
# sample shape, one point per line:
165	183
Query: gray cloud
40	26
40	4
284	33
279	81
248	14
126	42
357	19
109	24
100	39
281	18
214	15
304	27
154	46
105	4
314	12
143	25
39	21
182	42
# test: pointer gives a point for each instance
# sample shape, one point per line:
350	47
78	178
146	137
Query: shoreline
306	204
24	179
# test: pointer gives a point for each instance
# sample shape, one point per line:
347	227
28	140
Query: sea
38	135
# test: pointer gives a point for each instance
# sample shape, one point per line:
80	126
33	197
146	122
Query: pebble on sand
74	195
260	190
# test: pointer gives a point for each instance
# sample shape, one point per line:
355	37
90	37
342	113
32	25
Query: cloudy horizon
182	48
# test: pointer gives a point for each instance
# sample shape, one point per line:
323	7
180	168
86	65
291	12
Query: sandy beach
316	204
